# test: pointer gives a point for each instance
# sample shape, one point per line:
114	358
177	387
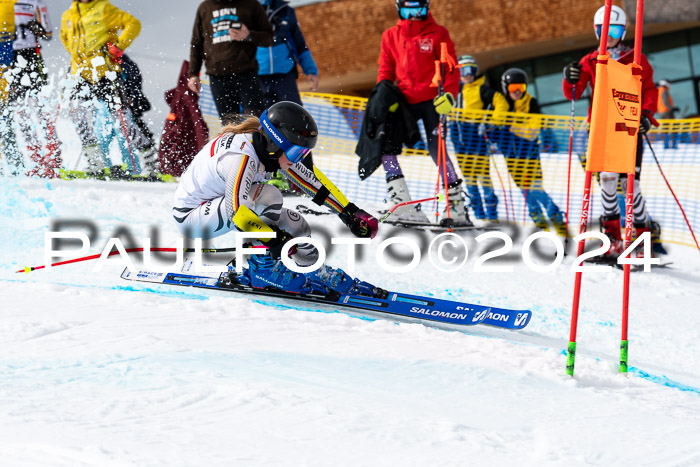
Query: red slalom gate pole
629	215
585	209
571	349
629	206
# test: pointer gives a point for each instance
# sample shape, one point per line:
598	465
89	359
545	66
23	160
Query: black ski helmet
512	76
413	5
289	127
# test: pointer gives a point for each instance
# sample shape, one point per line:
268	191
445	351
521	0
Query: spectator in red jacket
581	74
407	58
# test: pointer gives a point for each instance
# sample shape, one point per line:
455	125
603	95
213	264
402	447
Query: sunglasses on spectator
513	87
467	70
615	31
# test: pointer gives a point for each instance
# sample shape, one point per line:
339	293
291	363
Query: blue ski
398	304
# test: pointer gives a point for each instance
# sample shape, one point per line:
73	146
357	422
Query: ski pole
28	269
568	173
503	189
118	102
658	164
439	197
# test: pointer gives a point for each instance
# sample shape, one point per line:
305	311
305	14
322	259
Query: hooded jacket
408	55
289	46
212	45
87	28
185	131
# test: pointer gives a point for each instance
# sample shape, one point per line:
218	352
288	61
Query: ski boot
657	247
149	162
263	272
459	217
640	229
330	281
96	163
398	193
610	226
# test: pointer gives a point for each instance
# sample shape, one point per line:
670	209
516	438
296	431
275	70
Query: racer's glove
444	103
360	223
646	122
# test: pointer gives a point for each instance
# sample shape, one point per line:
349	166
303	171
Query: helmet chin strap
262	148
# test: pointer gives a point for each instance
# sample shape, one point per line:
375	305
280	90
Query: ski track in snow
101	371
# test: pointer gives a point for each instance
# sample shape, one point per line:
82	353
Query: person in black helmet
223	190
522	151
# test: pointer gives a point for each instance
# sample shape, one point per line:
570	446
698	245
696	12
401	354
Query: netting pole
678	202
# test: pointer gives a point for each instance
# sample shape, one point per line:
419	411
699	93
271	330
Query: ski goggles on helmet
294	152
616	31
413	12
513	87
467	70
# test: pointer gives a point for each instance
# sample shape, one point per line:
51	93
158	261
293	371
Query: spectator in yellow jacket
96	33
470	140
521	149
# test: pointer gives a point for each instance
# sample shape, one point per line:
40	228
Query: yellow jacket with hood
87	28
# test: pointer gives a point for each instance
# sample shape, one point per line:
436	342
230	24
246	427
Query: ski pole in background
658	164
441	69
115	54
568	172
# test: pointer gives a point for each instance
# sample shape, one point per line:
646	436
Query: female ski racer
223	190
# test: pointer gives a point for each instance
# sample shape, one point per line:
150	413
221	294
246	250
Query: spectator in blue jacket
278	72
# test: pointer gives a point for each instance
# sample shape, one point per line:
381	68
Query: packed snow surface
97	370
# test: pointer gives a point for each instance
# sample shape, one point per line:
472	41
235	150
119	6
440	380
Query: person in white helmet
582	73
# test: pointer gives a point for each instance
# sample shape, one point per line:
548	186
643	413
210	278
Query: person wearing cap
470	141
666	110
581	74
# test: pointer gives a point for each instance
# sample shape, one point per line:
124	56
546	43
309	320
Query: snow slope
100	371
95	370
